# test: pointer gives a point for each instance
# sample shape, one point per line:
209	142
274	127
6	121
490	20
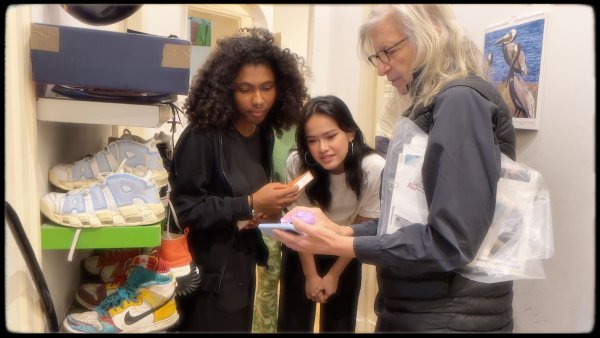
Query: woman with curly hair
248	90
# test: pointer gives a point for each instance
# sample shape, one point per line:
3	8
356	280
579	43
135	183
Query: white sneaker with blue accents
114	199
139	158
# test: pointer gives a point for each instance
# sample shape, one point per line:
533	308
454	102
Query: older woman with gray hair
423	52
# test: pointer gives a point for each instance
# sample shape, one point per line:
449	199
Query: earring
307	162
351	148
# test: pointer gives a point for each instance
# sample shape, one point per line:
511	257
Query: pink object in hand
305	216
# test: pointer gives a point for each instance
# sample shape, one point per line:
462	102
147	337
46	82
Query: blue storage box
109	60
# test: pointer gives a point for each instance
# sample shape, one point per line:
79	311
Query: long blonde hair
443	52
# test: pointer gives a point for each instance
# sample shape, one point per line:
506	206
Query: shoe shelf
56	237
95	112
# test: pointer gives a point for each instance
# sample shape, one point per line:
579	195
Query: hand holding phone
268	228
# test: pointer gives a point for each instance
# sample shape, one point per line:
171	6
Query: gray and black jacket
419	290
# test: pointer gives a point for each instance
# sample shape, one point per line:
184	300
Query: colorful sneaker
120	270
118	199
94	264
116	272
139	158
91	294
145	303
174	251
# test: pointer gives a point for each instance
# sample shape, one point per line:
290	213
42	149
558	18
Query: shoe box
91	58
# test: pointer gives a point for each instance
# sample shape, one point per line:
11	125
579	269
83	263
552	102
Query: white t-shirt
344	206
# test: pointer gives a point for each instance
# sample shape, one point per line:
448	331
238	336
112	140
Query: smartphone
268	228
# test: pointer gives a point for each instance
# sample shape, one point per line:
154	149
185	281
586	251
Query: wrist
333	273
251	205
343	247
310	275
345	230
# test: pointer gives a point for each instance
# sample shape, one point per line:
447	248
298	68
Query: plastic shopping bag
520	235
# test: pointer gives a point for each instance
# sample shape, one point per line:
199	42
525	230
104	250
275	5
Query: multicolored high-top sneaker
120	271
139	158
90	295
94	264
117	199
145	303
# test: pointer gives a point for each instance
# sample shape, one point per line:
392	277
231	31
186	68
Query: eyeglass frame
386	52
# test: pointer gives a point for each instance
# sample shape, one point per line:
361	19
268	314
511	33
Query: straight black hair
318	191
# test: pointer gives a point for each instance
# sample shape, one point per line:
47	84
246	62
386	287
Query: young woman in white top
346	186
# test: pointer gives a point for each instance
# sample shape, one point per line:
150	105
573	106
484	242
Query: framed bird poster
514	52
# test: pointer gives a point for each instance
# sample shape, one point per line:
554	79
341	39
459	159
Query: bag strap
172	209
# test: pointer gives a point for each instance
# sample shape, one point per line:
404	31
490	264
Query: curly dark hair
211	102
318	190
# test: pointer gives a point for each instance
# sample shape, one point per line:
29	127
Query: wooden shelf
96	112
141	236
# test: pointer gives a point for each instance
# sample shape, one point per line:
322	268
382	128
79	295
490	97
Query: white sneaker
139	157
161	137
117	199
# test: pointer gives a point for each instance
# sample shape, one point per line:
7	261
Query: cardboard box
109	60
302	180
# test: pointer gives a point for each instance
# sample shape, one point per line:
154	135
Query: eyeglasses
383	55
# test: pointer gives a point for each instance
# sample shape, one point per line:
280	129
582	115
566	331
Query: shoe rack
66	110
58	237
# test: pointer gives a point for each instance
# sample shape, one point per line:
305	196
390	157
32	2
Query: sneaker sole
68	185
127	216
161	178
163	325
187	282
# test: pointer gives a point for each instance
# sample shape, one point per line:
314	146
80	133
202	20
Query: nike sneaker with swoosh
145	303
90	295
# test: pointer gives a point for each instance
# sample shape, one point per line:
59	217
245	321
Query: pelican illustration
520	94
512	51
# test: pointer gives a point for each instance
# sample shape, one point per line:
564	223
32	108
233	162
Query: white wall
334	58
267	11
563	151
292	21
336	66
